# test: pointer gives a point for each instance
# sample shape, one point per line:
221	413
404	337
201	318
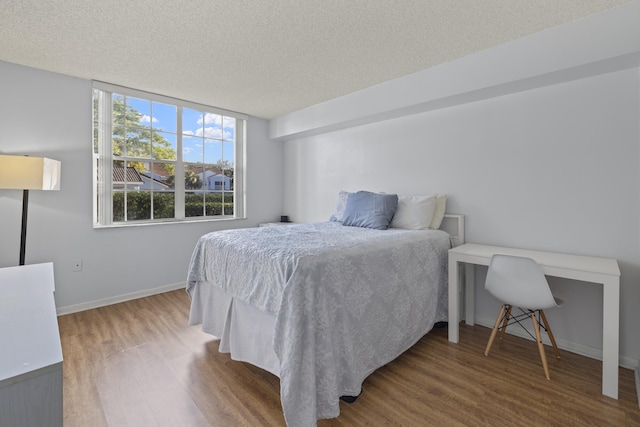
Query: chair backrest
518	281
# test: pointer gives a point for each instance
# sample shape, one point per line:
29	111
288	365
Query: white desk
604	271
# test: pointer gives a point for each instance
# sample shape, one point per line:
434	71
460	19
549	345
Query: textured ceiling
264	58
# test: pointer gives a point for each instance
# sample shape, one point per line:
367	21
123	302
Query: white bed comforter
347	300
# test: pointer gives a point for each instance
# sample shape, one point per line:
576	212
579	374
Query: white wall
47	114
550	165
552	169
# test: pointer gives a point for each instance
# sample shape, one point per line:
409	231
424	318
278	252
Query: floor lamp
28	173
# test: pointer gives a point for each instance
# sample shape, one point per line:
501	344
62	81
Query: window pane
215	180
212	126
118	206
163	205
154	176
138	142
219	203
126	175
118	175
164	117
193	204
229	129
118	109
164	146
228	153
194	177
228	203
192	149
138	112
214	204
117	138
212	151
192	122
162	173
193	181
138	205
230	174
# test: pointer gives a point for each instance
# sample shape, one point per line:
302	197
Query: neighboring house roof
157	170
207	172
153	183
133	176
219	176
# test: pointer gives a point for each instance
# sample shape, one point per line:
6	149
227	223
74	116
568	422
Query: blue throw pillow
370	210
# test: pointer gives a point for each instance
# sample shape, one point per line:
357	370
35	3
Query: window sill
165	222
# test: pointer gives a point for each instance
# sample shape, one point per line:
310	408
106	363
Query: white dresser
31	354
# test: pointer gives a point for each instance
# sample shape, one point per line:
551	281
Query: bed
321	305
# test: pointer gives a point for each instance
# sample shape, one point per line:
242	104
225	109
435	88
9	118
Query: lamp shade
29	173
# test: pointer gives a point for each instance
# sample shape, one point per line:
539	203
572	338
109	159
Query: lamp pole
23	233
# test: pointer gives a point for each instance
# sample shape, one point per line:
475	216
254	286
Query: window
158	159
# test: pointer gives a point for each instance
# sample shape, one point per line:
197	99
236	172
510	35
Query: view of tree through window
160	160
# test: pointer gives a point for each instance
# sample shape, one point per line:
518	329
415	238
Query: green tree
133	139
192	181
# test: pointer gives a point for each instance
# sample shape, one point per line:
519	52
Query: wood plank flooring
139	364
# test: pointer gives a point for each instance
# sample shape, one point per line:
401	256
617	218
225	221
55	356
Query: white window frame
103	160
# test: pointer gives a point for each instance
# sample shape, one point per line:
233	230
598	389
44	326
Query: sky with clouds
206	137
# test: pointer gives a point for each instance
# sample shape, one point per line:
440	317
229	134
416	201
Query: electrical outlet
76	265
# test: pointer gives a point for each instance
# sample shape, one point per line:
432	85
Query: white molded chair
520	282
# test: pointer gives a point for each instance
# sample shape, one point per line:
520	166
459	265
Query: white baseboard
583	350
119	298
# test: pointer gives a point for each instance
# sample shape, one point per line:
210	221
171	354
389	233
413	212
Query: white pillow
438	213
415	212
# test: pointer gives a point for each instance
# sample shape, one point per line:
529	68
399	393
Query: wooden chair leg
543	356
494	331
506	322
551	338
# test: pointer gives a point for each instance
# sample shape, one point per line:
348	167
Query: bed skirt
245	332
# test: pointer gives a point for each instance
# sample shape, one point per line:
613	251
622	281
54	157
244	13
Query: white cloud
215	126
213	132
210	118
217	120
147	119
229	122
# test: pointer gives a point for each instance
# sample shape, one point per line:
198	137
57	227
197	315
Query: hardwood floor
138	364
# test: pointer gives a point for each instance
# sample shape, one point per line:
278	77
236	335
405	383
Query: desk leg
610	337
469	294
454	286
